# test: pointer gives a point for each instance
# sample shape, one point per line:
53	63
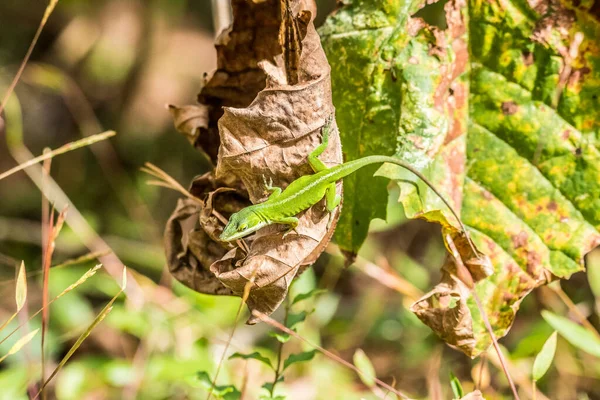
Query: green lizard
282	206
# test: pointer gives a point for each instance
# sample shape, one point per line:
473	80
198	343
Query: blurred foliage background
115	64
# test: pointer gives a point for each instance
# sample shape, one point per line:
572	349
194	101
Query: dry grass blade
99	318
61	150
20	294
165	180
81	280
275	324
388	277
80	226
49	9
19	344
73	261
52	231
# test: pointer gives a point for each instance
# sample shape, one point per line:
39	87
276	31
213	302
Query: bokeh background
115	64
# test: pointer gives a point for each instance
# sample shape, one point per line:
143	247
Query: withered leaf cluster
258	117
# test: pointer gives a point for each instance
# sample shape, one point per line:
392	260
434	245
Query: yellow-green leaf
575	334
21	290
362	362
543	360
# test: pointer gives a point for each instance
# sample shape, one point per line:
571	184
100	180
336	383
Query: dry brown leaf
476	395
268	135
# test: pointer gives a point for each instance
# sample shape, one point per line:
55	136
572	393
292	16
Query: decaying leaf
271	96
527	174
476	395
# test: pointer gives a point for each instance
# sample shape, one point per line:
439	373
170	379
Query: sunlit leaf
508	137
281	337
575	334
543	360
124	280
21	291
362	362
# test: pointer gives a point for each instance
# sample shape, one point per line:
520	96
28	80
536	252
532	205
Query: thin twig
280	349
275	324
556	288
61	150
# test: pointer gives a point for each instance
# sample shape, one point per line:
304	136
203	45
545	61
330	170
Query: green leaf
307	295
299	357
281	337
362	362
294	319
543	360
19	344
226	392
385	81
575	334
593	272
457	389
268	386
254	356
505	136
21	290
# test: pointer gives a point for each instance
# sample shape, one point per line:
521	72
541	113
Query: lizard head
242	224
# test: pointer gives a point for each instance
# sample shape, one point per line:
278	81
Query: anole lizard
282	206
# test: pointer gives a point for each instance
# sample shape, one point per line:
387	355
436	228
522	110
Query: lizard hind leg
332	200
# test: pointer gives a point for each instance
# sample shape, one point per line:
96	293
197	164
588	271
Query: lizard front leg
292	223
274	190
332	200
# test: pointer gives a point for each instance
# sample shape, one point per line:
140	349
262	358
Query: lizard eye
243	227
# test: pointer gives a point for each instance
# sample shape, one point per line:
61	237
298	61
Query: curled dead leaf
264	134
190	120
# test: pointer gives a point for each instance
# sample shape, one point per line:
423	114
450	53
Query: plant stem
280	350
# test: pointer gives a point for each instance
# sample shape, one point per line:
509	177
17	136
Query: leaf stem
467	279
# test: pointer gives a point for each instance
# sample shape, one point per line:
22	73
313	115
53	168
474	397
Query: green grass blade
105	311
